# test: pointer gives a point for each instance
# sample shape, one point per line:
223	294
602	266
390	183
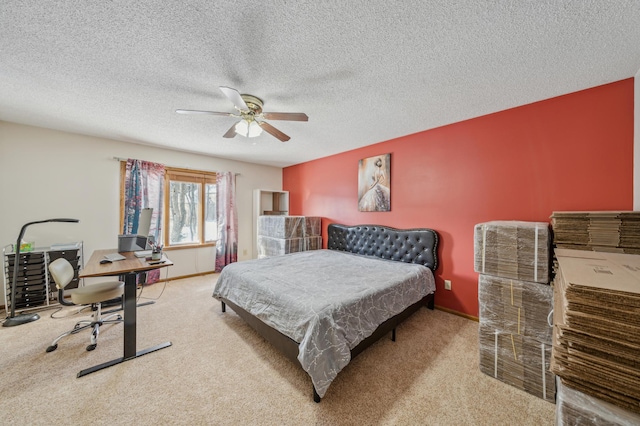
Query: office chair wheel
52	348
92	347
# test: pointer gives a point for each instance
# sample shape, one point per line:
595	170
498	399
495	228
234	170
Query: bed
321	308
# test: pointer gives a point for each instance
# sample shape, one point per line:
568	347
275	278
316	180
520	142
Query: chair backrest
62	272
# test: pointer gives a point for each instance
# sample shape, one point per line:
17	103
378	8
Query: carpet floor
218	371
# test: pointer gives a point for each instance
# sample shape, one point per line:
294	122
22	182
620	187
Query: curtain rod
180	167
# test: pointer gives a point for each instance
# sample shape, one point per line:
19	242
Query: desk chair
93	294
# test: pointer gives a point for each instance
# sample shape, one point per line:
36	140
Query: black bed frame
402	245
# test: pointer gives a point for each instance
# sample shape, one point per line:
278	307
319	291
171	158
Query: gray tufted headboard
403	245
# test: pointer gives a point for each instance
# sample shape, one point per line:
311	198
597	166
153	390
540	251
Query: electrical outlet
244	252
447	284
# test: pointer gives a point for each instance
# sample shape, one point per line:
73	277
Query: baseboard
182	277
460	314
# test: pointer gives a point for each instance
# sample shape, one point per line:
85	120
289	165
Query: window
190	208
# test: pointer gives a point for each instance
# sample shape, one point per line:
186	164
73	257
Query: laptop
131	243
138	242
147	252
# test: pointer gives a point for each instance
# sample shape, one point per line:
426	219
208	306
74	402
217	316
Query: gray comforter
327	301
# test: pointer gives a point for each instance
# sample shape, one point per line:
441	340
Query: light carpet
220	372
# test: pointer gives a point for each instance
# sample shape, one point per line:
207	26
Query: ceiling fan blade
231	132
273	131
193	111
291	116
234	96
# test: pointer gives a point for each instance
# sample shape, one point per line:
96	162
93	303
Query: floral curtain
144	188
227	243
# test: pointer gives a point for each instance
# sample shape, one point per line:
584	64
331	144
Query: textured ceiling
363	71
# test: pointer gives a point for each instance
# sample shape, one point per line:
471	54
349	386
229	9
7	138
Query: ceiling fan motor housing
254	103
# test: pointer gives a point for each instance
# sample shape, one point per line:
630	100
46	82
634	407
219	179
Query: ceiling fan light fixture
248	129
249	108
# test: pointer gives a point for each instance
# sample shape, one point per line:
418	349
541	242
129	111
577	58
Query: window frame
191	176
182	175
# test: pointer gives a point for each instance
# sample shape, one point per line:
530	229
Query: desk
129	268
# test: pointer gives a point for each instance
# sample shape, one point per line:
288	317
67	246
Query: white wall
46	174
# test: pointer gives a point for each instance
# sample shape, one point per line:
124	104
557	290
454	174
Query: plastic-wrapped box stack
516	302
279	235
597	329
513	249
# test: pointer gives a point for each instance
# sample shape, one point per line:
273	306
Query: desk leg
129	330
130	316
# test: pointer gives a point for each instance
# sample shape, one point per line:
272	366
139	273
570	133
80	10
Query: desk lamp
24	318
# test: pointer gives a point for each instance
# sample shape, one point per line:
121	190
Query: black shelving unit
35	287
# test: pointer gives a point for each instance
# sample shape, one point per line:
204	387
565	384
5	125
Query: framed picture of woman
374	184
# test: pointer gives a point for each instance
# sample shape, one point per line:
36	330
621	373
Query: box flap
609	271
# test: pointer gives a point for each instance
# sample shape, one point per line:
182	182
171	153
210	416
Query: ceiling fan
251	116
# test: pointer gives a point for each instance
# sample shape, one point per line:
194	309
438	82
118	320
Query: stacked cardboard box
513	249
606	231
597	325
515	302
577	408
630	231
515	335
279	235
520	361
516	307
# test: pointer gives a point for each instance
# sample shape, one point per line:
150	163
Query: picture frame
374	184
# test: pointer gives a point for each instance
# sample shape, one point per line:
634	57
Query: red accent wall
573	152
